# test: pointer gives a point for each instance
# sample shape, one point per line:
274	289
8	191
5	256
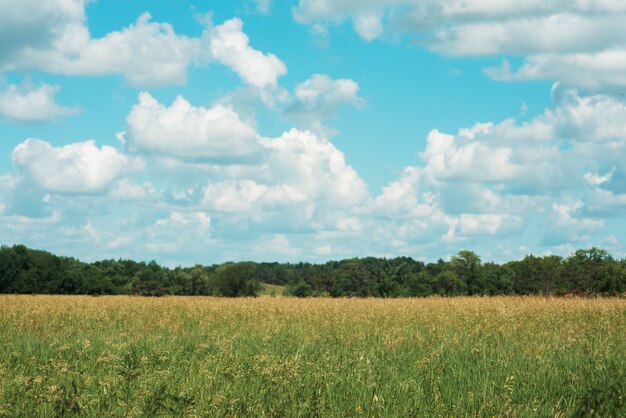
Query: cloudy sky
203	131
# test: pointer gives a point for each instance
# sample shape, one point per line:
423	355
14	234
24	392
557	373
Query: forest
586	272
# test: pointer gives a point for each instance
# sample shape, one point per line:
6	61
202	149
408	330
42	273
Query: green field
196	356
271	290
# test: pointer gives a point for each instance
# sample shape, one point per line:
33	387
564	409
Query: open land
277	356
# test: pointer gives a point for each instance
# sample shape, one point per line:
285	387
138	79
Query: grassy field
188	356
271	290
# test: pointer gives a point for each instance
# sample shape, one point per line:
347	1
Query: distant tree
420	284
592	271
351	279
466	264
496	279
448	283
149	288
532	275
300	289
237	279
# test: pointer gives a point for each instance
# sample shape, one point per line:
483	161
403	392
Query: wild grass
271	290
195	356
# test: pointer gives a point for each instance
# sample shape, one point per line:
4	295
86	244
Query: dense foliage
592	272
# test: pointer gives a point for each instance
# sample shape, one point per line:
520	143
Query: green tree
466	265
351	279
301	289
449	284
237	279
590	270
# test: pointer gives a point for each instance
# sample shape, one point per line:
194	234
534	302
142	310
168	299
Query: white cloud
145	53
604	203
126	189
80	167
28	104
216	162
178	231
186	131
547	153
401	199
566	225
277	247
556	178
473	156
323	250
555	172
316	168
263	6
319	98
559	40
247	195
231	46
120	242
369	27
487	224
245	171
325	95
303	181
608	68
176	219
28	25
560	33
54	37
595	179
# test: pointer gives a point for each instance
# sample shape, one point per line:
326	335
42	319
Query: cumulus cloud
177	219
401	198
231	46
177	231
566	225
79	167
126	189
29	104
246	195
319	98
466	157
486	224
145	53
559	40
608	68
302	183
487	181
547	153
369	27
54	37
247	171
263	6
28	25
561	172
315	167
187	131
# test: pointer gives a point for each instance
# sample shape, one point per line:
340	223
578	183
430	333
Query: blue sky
199	132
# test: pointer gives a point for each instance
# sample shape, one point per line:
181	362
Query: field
276	356
271	290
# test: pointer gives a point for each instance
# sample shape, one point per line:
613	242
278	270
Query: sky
187	131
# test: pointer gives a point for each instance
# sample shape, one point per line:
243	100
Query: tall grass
125	356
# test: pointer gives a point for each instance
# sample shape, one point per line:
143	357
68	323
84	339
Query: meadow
278	356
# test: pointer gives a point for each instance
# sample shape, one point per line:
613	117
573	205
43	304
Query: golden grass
199	356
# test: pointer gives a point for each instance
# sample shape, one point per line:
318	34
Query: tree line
585	272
